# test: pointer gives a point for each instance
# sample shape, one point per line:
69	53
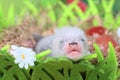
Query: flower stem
43	54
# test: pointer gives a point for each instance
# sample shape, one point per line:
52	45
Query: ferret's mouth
72	51
74	54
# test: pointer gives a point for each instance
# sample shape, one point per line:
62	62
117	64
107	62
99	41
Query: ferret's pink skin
72	51
69	42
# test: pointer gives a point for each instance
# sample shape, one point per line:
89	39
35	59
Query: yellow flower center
23	56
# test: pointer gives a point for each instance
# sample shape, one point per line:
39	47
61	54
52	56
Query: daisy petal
21	65
26	66
31	64
14	46
17	61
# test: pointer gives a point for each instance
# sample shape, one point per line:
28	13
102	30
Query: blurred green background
59	13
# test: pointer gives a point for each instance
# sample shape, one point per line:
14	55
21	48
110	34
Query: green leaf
63	59
92	76
94	11
31	7
80	13
39	74
50	59
67	13
93	7
108	75
116	23
41	55
111	58
108	16
51	14
3	22
108	5
90	56
83	66
100	68
75	75
118	74
53	71
112	61
46	3
100	56
9	70
5	49
11	15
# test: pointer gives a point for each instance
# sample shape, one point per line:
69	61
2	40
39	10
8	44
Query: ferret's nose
73	43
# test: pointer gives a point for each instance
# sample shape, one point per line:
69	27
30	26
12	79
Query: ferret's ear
37	37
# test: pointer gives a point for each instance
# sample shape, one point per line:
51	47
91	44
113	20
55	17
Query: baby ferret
69	42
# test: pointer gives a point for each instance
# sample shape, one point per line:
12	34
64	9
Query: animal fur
69	42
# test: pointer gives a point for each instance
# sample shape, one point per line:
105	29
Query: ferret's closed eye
82	39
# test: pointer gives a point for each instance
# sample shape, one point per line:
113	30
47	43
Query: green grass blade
91	56
51	14
11	15
43	54
93	7
5	49
112	61
67	13
108	5
94	11
3	22
80	13
108	16
46	3
31	7
117	22
100	56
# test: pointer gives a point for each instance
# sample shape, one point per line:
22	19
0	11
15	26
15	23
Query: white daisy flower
23	56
